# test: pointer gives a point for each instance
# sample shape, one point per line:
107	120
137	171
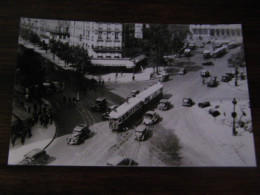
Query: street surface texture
184	136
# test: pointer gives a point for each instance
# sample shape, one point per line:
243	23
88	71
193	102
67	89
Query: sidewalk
111	77
41	137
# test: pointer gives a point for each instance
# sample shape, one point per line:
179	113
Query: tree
237	60
53	47
161	39
34	38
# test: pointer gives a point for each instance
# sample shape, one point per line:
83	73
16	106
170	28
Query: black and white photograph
130	94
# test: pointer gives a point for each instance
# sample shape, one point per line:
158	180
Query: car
214	112
35	157
204	73
212	82
192	46
79	134
187	52
226	78
47	88
164	77
230	75
207	63
100	104
119	160
164	104
182	71
204	104
134	92
57	86
141	133
105	115
206	54
187	102
150	118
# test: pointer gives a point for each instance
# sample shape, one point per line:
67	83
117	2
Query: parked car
57	86
187	102
121	161
206	54
204	73
204	104
150	117
164	77
164	104
47	88
214	112
79	134
230	75
35	157
100	104
134	92
105	115
187	52
182	71
212	82
207	63
226	78
141	133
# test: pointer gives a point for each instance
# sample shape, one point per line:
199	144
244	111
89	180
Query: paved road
171	142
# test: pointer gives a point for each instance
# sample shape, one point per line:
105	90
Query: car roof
80	126
100	99
150	112
140	128
163	101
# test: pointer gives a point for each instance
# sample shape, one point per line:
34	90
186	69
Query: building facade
202	32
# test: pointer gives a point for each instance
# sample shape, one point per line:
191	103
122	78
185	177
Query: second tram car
129	112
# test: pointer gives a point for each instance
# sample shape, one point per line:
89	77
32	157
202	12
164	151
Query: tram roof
133	101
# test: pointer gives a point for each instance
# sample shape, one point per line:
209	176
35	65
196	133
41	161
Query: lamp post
236	71
234	114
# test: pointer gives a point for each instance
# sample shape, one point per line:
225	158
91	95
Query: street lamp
234	114
236	71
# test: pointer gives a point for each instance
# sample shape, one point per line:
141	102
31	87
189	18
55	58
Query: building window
227	32
222	32
99	35
108	35
116	35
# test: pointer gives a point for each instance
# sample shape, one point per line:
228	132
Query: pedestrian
133	77
103	82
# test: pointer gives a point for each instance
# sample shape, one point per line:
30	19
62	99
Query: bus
220	52
127	114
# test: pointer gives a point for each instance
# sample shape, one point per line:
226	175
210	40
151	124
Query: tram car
129	112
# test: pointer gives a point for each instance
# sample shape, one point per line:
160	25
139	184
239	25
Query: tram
129	112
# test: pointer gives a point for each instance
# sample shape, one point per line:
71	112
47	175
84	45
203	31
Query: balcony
107	49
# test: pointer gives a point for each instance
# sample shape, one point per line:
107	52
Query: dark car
207	63
100	104
204	104
204	73
212	82
226	78
57	86
164	104
35	157
214	112
105	115
187	102
79	134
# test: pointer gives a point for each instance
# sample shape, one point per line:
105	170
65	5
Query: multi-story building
102	40
202	32
47	29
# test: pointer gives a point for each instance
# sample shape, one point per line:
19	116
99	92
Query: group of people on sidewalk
40	113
